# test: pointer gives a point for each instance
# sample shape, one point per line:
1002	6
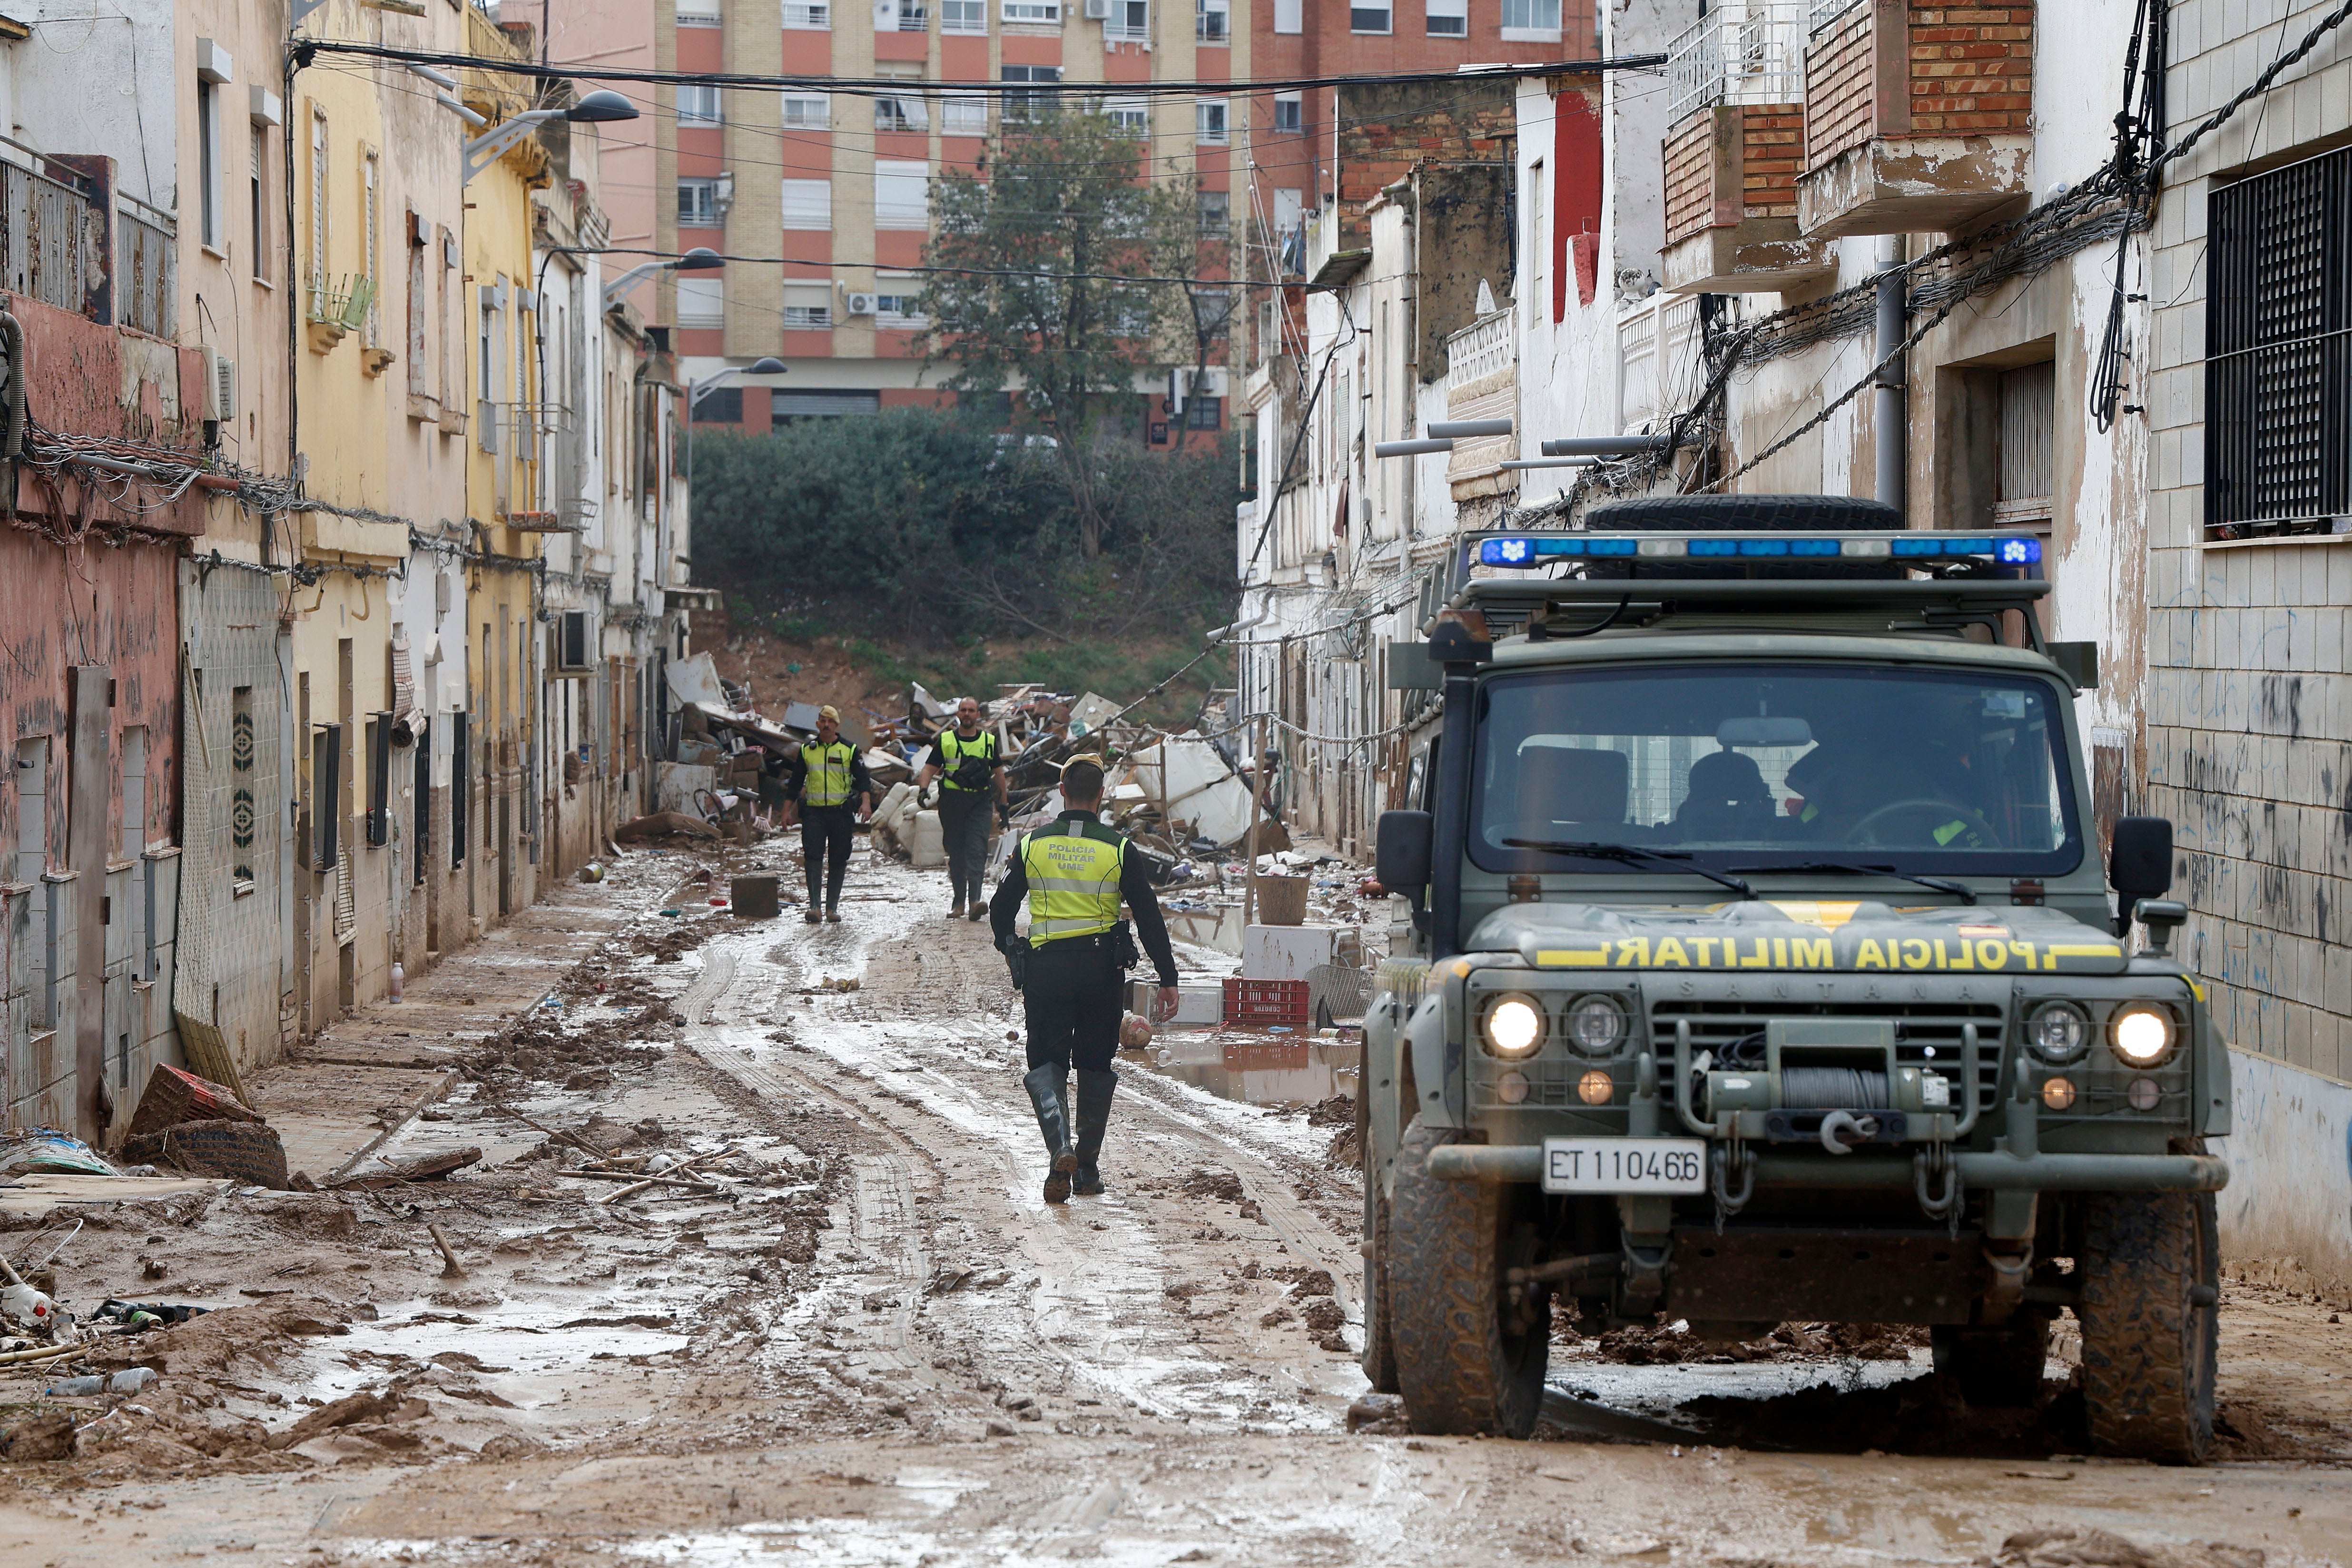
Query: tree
1063	209
926	526
859	518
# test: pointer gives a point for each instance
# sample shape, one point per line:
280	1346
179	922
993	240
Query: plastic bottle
399	981
130	1380
25	1304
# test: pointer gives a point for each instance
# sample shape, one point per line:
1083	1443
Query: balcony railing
1748	51
146	267
1482	350
52	236
1482	379
914	18
1658	342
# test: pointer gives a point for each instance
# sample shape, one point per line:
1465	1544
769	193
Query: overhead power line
893	268
306	50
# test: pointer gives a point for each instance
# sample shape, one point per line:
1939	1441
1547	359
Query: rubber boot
1049	1093
1095	1090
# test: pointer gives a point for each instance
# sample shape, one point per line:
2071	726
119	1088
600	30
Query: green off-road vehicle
1761	968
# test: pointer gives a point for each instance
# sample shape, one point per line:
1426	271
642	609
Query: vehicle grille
1920	1028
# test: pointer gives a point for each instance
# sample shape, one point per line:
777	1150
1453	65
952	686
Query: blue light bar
1526	551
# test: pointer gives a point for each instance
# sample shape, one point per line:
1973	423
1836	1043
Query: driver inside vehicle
1853	789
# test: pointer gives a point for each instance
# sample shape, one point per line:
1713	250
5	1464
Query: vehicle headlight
1595	1025
2057	1032
2141	1035
1515	1026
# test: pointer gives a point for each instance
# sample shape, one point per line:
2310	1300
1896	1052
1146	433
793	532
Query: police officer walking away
1075	872
830	777
973	778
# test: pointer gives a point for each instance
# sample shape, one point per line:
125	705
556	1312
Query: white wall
87	83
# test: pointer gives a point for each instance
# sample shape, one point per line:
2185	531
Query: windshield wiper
1628	854
1966	894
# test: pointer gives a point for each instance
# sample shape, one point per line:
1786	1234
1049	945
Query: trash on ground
47	1149
174	1096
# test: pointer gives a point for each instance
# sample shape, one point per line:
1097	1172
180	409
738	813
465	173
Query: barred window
2278	352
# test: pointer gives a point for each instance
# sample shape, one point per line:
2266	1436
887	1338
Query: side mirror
1400	852
2139	864
2079	661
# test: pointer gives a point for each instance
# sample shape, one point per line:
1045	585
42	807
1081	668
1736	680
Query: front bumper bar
1984	1172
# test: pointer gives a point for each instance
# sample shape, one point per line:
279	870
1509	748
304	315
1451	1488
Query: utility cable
303	50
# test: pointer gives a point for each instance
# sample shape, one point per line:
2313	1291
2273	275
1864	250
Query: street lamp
696	390
701	258
596	108
767	365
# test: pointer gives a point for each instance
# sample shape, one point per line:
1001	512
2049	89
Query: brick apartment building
840	187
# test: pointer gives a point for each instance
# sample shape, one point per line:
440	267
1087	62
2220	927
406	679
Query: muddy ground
877	1346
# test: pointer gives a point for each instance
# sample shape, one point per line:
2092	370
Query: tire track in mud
881	1202
1299	1228
932	1024
886	1224
1306	1234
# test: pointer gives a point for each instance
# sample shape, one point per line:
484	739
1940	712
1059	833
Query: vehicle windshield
1767	766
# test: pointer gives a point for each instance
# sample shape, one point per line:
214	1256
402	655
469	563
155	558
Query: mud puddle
1259	1070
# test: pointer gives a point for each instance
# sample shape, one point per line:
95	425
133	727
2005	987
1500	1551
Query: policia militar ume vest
1073	874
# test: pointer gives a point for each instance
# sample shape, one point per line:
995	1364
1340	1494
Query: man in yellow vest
1074	873
830	779
963	758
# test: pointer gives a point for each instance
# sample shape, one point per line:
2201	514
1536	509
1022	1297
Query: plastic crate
1263	1002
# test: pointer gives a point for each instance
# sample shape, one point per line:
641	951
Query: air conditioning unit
860	304
220	386
1097	10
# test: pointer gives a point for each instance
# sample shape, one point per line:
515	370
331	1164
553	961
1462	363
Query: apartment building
838	187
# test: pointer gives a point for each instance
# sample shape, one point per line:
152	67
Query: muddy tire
1996	1367
2150	1315
1380	1344
1469	1361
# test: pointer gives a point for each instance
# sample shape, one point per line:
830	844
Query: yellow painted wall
504	639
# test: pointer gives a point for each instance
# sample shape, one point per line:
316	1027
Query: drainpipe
1890	411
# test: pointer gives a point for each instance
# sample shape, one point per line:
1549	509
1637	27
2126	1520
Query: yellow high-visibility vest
955	749
1073	869
828	773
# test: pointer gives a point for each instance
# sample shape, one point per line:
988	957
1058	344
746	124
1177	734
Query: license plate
1624	1165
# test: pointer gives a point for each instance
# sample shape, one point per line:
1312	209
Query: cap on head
829	711
1082	779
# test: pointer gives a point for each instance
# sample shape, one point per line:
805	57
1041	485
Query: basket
1266	1001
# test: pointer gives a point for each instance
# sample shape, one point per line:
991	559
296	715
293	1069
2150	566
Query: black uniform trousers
964	819
1071	993
826	831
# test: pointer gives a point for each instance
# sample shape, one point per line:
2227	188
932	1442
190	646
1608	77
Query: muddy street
752	1267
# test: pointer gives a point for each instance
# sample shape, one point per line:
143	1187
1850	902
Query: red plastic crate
1264	1002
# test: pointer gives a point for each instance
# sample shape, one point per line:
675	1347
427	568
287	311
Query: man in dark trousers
1074	873
828	780
972	778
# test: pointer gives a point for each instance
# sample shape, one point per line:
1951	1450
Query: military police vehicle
1761	968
